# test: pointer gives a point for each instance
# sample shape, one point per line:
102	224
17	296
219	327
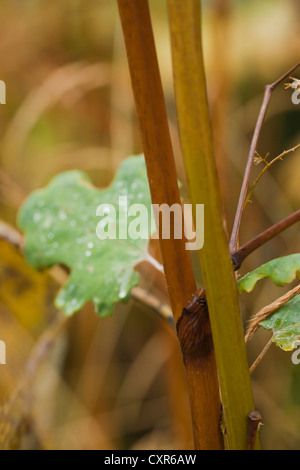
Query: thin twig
267	166
241	254
11	235
259	358
238	216
269	310
146	298
294	84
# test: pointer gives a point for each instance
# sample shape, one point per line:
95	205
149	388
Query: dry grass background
111	384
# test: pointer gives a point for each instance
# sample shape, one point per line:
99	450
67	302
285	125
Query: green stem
216	265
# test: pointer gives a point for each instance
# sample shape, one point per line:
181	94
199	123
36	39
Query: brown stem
195	337
149	99
243	194
241	254
151	111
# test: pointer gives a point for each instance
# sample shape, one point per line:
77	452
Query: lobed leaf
281	270
60	223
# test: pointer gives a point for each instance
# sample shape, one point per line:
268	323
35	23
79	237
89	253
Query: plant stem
243	194
216	265
202	378
150	106
241	254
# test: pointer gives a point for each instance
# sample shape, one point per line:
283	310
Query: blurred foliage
88	383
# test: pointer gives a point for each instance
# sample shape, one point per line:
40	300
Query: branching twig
294	84
267	166
238	216
269	310
241	254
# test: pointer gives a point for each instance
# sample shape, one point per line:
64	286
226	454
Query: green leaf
60	224
285	323
281	270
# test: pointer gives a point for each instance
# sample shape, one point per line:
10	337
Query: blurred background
118	383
